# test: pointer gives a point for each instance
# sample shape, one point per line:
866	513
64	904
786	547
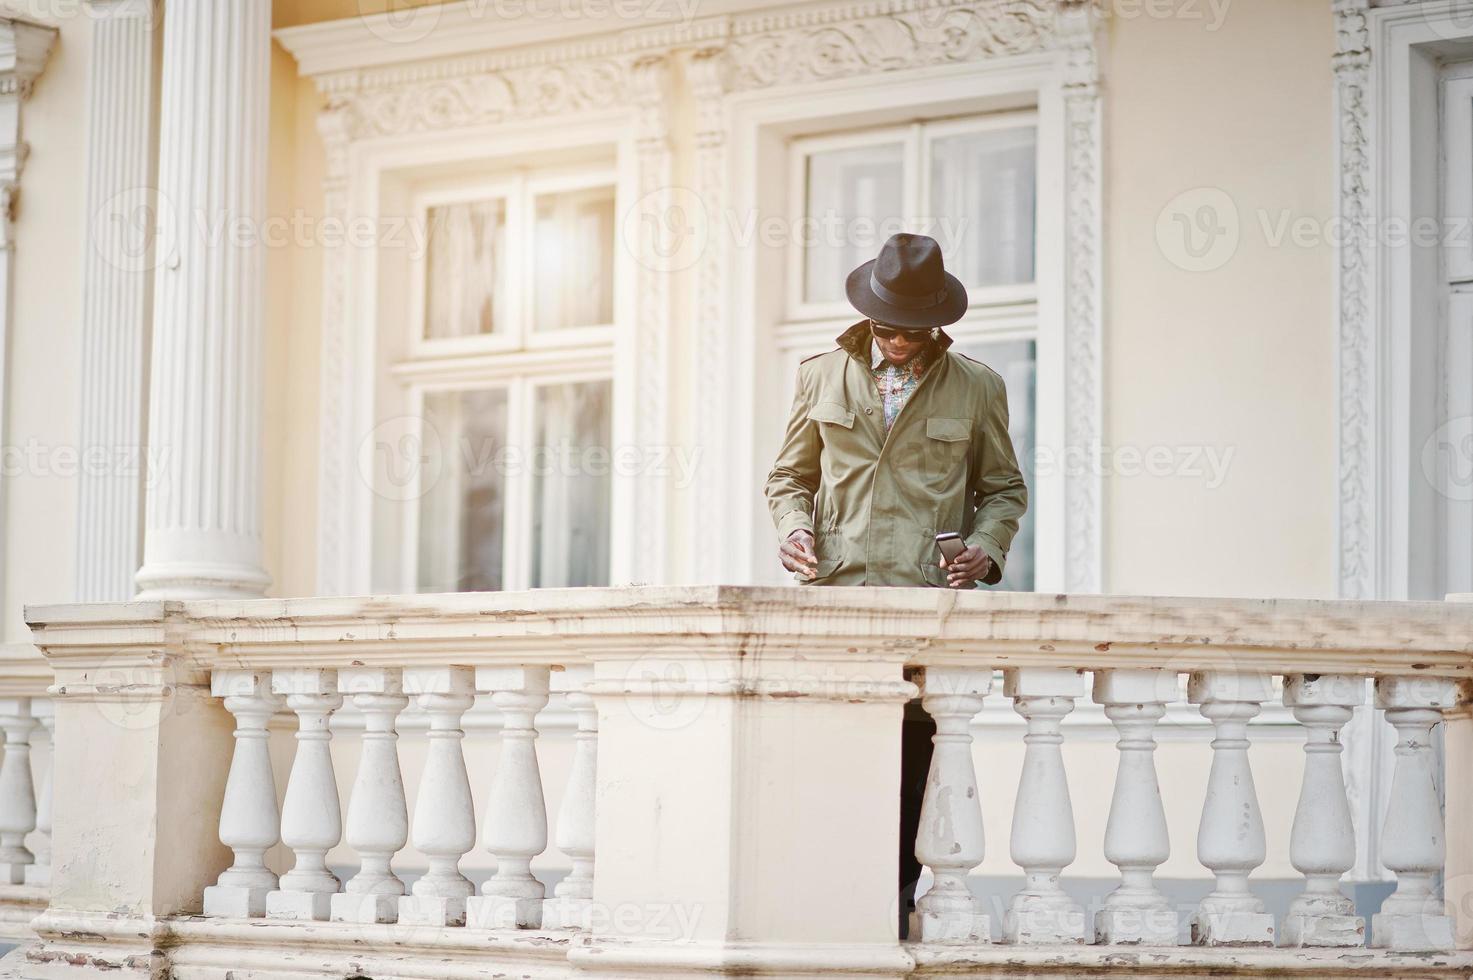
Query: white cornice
467	37
471	27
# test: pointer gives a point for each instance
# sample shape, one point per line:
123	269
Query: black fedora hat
907	286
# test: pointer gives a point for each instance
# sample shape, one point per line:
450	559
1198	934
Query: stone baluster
515	829
950	840
1230	840
39	873
1322	843
1413	918
249	821
444	813
1043	817
378	818
1136	840
311	821
572	902
17	790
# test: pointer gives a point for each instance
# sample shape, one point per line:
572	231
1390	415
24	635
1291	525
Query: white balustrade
444	827
1230	841
378	817
950	840
1322	843
39	872
753	837
17	790
572	903
249	820
515	828
311	821
1136	841
1043	817
1413	919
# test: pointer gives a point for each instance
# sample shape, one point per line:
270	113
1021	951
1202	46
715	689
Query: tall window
970	184
510	370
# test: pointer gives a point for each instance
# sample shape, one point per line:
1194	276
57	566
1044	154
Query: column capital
24	49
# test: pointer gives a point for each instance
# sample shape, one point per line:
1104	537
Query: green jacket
875	504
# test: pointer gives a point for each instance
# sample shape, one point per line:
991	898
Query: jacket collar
857	340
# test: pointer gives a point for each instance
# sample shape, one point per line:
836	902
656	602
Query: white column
249	820
1413	918
444	813
39	873
1230	840
378	818
311	822
24	49
1322	843
1043	817
950	840
515	829
17	791
1136	840
202	534
572	903
117	272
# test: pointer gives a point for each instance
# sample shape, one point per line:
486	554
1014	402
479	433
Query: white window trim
1383	63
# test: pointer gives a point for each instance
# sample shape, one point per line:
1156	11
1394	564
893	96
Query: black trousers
915	764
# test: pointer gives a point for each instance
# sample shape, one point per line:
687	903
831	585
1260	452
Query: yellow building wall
1238	358
40	487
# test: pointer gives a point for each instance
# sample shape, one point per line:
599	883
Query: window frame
520	360
519	188
915	139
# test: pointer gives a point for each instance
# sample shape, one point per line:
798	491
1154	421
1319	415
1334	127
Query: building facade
335	298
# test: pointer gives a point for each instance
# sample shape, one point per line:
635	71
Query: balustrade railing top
919	626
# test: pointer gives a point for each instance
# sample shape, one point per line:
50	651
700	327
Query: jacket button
869	411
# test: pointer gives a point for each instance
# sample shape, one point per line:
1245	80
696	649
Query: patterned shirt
896	384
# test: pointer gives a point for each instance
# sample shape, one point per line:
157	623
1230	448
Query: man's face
903	345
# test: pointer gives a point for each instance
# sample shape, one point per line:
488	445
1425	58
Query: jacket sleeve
794	478
1002	496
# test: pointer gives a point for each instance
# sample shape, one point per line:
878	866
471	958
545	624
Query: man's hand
967	569
797	554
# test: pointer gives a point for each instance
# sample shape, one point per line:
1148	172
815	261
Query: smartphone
950	544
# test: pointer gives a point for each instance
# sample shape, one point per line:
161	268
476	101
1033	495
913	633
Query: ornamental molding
1355	332
790	50
795	45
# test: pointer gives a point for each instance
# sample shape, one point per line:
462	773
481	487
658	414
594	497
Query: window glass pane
465	268
982	188
571	464
574	267
1016	361
462	509
855	200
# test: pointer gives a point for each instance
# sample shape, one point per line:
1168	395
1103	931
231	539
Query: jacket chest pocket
946	445
835	423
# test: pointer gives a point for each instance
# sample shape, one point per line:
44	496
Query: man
893	439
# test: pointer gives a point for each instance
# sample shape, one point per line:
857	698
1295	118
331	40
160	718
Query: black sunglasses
886	332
